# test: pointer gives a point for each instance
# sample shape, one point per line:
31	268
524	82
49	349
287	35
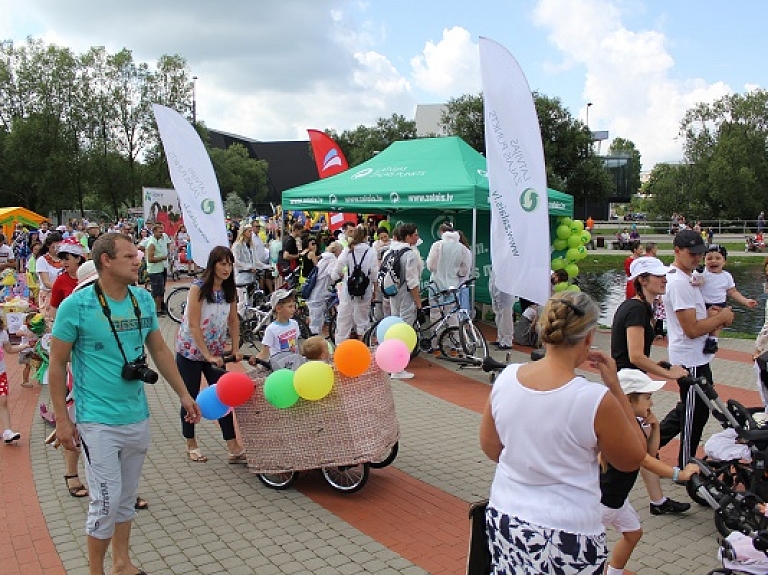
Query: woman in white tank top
544	425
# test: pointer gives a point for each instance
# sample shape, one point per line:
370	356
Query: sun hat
636	381
647	265
690	240
61	228
278	296
86	275
71	246
92	225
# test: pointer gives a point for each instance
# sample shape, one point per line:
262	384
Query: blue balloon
210	406
385	324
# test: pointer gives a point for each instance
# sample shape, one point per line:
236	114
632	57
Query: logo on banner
331	159
529	200
208	206
362	173
394	197
333	200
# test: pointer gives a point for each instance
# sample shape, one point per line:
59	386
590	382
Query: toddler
29	336
316	348
717	286
615	485
9	436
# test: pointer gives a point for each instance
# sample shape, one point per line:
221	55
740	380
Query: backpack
358	281
389	278
309	283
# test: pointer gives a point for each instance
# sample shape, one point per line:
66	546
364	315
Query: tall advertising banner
516	177
195	183
330	161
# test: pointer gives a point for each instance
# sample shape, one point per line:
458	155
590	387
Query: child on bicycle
615	485
282	335
717	286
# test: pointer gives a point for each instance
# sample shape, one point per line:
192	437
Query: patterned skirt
522	548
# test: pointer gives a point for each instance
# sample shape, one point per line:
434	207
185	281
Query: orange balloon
352	357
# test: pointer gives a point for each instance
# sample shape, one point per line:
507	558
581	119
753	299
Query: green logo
529	199
207	206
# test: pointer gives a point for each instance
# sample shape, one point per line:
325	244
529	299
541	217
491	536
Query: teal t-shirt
101	395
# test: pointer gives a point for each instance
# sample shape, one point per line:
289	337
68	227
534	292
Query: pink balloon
392	355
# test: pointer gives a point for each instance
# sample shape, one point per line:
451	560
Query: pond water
607	288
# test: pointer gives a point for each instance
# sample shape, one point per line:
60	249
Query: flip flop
235	458
196	456
141	504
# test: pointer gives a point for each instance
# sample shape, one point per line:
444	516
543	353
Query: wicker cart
344	434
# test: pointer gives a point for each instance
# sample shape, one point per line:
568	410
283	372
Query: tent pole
474	243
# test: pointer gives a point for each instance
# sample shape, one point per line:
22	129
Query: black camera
138	369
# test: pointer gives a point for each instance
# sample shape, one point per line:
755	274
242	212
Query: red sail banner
330	161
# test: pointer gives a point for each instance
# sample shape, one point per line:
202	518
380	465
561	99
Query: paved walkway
410	518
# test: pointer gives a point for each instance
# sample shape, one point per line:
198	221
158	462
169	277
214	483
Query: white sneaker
402	375
11	436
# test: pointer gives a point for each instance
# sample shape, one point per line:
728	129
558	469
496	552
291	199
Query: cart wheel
390	458
347	478
278	480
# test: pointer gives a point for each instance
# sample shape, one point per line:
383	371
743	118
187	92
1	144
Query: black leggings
191	371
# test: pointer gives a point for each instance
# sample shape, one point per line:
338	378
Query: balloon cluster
569	247
217	400
315	379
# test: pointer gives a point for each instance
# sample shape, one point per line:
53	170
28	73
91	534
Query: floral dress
214	317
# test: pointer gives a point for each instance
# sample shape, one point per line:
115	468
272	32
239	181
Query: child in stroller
754	244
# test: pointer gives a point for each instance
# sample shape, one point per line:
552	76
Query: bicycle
452	340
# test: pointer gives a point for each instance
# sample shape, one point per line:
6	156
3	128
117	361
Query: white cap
647	265
278	296
636	381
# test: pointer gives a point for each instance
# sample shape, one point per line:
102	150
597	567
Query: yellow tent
9	217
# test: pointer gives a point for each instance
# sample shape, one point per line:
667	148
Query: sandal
141	504
235	458
196	456
78	490
26	384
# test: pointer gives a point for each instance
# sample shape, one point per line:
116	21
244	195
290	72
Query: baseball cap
647	265
690	240
719	249
278	296
86	275
636	381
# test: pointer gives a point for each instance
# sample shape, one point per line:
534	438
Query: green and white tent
425	181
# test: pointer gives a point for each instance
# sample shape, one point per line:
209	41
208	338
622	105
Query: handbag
478	556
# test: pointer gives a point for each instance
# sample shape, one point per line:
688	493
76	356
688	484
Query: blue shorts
157	283
113	457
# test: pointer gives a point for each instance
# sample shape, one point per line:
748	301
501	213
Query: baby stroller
743	554
735	486
753	244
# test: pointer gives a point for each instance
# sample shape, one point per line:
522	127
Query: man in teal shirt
157	262
104	328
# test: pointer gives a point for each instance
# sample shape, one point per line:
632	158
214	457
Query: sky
271	69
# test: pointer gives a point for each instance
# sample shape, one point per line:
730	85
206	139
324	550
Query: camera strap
108	314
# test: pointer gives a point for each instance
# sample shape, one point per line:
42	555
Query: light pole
194	101
589	105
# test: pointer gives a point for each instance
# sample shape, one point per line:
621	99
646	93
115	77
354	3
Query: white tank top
548	473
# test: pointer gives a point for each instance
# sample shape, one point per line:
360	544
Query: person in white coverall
503	309
449	261
326	267
354	311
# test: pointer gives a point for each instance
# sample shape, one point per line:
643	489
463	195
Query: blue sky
271	69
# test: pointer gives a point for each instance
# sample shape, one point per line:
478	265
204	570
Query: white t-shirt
6	254
716	286
682	295
42	266
282	337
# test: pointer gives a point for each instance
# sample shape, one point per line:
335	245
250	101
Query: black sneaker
669	506
710	346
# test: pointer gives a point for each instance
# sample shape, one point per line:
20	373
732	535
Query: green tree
235	207
240	174
621	146
362	143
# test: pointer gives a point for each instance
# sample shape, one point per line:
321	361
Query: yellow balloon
313	380
404	333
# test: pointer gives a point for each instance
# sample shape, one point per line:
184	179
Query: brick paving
409	519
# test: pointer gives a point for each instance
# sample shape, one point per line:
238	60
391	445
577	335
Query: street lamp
194	101
589	105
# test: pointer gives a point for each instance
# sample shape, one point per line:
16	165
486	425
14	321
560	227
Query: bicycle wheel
304	332
347	478
371	339
332	326
278	480
176	303
449	342
472	339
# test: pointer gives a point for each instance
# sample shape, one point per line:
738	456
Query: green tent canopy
425	181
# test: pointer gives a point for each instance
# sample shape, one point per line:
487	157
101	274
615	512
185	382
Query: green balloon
572	255
582	252
573	287
574	241
279	390
577	226
572	270
566	221
586	237
563	232
558	264
560	244
562	286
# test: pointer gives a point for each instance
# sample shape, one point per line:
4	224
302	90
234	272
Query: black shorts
157	283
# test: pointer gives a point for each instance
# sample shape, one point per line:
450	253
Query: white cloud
628	77
449	68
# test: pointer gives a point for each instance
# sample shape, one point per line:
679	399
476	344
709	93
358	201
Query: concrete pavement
409	519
